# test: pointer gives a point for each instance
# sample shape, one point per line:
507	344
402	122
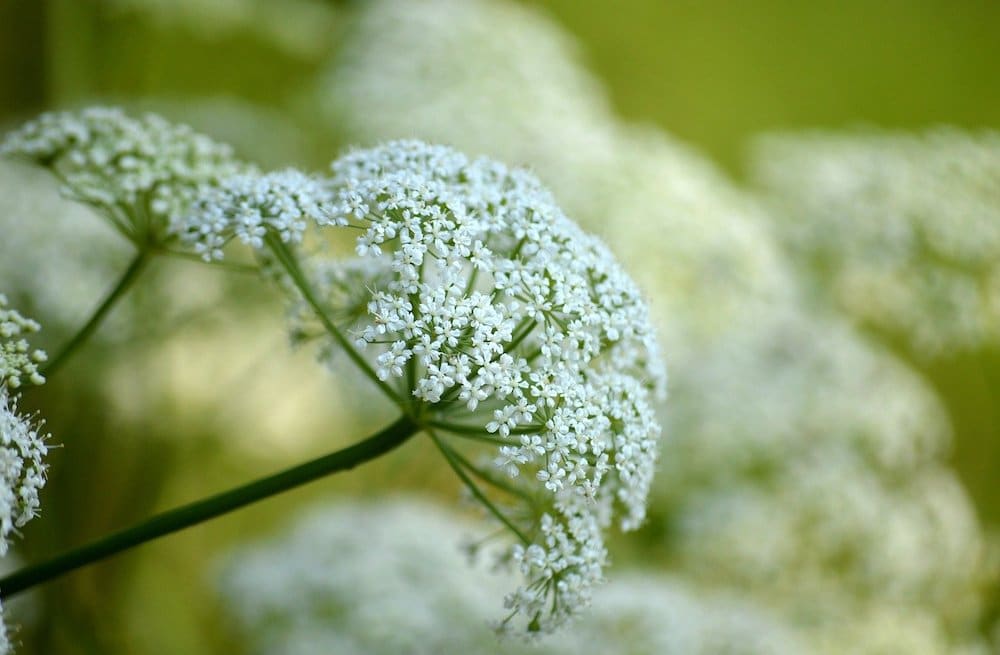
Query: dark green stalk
202	510
128	278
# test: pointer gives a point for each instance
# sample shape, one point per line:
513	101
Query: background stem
202	510
130	275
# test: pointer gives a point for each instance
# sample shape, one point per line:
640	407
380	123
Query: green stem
491	479
291	266
456	466
202	510
127	279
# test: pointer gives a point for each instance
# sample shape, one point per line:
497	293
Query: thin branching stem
288	261
456	466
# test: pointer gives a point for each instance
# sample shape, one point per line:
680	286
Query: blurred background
809	193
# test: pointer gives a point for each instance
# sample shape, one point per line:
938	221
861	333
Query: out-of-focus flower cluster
404	53
405	592
904	229
502	320
139	172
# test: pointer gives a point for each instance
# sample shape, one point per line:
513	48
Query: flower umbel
491	317
138	171
248	206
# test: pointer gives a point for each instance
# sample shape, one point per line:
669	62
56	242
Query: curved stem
291	266
456	466
202	510
124	283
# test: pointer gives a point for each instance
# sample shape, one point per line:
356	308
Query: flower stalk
125	282
186	516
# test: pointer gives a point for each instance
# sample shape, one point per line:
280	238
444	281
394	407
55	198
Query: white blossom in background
368	577
903	229
697	243
487	77
780	382
769	398
643	613
387	577
828	525
504	323
139	172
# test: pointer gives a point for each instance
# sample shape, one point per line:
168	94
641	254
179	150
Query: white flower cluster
904	229
250	206
692	235
499	317
18	361
139	171
21	447
382	583
780	383
22	469
502	306
829	525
